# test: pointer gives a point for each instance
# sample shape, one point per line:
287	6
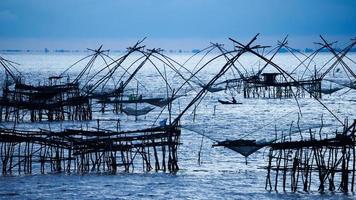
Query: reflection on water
221	174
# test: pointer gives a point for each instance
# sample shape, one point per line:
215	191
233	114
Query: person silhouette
234	100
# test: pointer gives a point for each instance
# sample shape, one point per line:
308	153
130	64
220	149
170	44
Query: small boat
228	102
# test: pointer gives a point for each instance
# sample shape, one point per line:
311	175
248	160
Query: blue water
222	173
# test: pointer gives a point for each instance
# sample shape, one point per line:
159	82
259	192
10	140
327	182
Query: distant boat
228	102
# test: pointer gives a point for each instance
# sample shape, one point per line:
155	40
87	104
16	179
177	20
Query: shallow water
222	173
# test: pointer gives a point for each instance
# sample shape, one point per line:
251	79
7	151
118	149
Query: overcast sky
71	23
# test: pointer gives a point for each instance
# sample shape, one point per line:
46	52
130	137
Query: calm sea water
222	173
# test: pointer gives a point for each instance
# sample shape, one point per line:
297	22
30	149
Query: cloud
6	15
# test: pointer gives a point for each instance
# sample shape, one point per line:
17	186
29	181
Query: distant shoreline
306	50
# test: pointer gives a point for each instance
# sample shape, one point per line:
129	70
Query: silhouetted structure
331	161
